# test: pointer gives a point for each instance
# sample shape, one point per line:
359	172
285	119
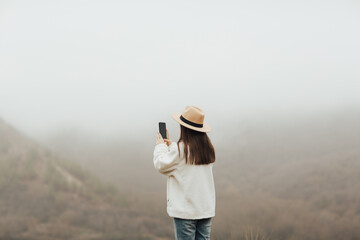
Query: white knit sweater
190	188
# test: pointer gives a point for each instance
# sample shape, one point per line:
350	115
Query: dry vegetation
43	196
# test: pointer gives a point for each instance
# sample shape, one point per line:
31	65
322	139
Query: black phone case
162	129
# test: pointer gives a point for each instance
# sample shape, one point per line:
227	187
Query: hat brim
205	128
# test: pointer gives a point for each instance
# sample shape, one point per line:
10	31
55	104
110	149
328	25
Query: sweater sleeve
166	158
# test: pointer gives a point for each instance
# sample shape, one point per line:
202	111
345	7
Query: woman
188	166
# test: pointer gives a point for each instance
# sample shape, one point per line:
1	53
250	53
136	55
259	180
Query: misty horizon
134	65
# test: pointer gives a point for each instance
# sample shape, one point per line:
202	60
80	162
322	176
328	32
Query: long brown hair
201	149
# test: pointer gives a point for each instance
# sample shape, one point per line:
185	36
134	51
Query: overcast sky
124	65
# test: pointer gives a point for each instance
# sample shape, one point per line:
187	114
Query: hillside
44	196
296	179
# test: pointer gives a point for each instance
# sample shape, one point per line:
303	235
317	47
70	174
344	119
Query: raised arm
166	159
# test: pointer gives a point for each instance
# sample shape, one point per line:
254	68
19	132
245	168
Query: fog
90	80
119	67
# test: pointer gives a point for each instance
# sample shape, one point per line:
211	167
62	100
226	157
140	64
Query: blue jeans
192	229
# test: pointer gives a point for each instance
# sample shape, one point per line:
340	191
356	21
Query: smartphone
162	129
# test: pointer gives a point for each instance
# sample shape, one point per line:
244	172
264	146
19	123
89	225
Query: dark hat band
190	123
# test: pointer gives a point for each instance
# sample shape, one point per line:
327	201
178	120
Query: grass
252	233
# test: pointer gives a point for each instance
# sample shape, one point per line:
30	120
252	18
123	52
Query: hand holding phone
164	133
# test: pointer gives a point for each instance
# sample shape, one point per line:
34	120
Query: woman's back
190	188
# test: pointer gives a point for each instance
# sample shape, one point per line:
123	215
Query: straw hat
193	118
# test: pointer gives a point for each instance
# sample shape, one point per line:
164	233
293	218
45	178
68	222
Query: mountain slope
43	196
